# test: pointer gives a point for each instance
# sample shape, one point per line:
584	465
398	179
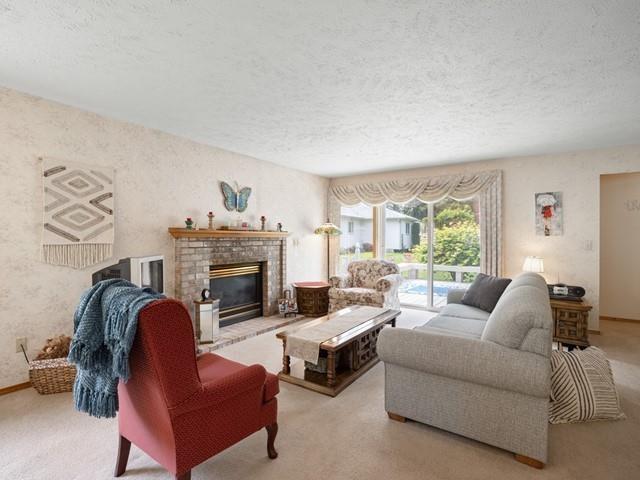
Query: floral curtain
485	185
491	227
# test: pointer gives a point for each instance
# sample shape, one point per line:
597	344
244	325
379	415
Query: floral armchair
369	282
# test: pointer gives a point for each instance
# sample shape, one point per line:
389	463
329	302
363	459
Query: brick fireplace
198	252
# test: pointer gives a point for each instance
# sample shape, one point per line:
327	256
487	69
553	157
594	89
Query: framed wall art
549	212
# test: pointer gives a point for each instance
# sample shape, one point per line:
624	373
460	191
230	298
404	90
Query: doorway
619	246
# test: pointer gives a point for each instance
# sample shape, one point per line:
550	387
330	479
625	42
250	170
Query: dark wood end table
571	323
312	298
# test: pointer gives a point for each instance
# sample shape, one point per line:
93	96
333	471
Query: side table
571	323
206	320
312	298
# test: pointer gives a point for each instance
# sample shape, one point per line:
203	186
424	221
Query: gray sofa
480	375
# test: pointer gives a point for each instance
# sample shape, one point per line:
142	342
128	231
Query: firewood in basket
56	347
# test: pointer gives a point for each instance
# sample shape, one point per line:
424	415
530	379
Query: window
452	228
456	252
405	227
399	236
406	233
357	239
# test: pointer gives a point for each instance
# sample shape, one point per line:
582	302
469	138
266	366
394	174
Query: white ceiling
340	87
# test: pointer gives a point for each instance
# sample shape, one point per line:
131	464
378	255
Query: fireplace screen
239	288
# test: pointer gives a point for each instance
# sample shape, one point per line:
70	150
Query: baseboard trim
618	319
594	332
14	388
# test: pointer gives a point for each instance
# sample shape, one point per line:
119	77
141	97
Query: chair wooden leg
272	431
529	461
397	418
184	476
123	456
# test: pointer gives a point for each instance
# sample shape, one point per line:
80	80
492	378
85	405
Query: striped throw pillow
582	387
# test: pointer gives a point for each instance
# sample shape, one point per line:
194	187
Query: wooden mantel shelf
185	233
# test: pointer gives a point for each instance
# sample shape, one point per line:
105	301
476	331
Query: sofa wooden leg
529	461
397	418
272	431
123	456
184	476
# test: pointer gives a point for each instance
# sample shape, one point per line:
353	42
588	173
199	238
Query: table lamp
328	229
533	264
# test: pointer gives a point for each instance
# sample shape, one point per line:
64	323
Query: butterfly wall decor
235	199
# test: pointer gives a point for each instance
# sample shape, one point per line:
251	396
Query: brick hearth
196	250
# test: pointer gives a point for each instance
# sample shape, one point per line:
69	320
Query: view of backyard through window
356	241
451	226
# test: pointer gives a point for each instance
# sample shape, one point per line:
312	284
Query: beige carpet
347	437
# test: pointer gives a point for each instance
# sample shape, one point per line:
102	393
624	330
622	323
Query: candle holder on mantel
210	216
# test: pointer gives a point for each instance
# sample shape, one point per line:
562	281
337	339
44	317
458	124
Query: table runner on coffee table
305	342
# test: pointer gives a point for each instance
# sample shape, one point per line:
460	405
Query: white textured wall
160	179
572	258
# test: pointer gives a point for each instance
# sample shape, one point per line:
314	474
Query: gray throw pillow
485	291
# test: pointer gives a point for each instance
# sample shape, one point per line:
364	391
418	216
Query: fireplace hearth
239	288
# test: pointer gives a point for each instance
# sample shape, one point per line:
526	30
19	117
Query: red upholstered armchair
182	411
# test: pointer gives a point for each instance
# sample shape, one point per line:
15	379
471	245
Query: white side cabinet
207	320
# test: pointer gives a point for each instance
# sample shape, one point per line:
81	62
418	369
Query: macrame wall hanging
78	217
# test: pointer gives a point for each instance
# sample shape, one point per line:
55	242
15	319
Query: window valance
486	186
433	189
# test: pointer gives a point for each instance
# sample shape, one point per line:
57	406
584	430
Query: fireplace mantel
186	233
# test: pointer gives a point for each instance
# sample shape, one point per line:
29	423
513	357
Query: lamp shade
327	228
533	264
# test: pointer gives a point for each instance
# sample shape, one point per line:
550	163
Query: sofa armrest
340	281
470	360
213	393
388	282
455	295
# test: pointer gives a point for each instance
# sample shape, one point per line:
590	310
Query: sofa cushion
522	320
364	295
443	331
466	327
485	291
464	311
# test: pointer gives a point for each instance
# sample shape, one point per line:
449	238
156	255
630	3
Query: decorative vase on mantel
189	223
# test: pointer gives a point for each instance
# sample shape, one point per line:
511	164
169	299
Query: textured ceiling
339	87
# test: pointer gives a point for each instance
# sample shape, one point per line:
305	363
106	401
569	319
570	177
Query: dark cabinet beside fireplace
312	298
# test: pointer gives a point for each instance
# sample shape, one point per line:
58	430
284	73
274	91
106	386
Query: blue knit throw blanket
104	326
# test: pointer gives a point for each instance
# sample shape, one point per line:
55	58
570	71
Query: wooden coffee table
348	355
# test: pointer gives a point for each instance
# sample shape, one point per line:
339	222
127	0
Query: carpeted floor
347	437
